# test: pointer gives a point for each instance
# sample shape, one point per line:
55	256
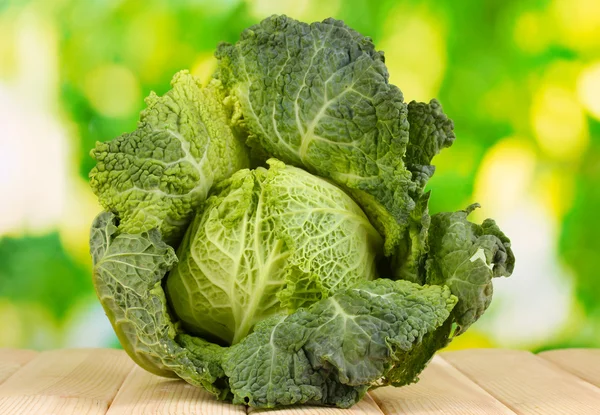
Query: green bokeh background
521	79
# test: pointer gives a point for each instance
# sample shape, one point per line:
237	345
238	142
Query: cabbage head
267	236
267	242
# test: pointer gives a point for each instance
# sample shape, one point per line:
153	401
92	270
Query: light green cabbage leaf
268	241
128	270
157	175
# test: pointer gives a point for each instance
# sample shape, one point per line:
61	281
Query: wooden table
479	381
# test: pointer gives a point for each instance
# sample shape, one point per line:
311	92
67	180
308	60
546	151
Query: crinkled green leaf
410	364
466	256
409	261
430	132
267	241
128	270
333	244
209	357
157	175
317	96
267	369
335	350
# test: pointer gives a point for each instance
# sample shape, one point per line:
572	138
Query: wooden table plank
143	393
584	363
367	406
488	381
441	390
12	359
64	382
526	383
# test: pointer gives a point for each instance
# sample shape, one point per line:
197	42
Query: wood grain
584	363
143	393
441	390
366	406
11	360
526	383
467	382
64	382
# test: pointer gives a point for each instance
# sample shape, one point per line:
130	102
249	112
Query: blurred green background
521	79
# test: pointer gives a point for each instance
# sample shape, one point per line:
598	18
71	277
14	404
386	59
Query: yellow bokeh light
555	189
559	122
8	67
80	209
150	51
562	72
415	52
11	331
504	177
27	323
113	90
576	23
472	339
204	67
465	151
36	46
588	89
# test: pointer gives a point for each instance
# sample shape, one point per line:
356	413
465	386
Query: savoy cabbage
268	240
267	236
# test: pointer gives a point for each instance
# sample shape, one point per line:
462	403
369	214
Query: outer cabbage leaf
430	132
335	350
465	257
410	364
409	261
317	96
128	270
156	176
268	241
